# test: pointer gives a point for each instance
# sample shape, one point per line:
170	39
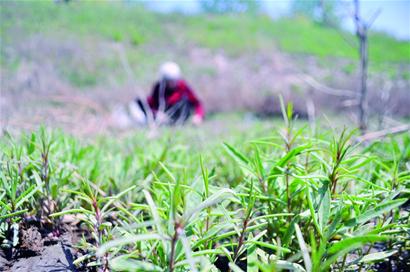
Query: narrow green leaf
234	268
271	246
304	249
285	265
72	211
26	195
154	212
126	263
32	144
188	251
312	212
212	200
324	206
276	169
236	154
377	211
169	174
129	239
9	215
252	259
355	242
377	256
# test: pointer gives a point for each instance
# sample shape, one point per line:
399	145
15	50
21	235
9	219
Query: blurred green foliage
149	37
234	33
321	11
229	6
295	35
114	21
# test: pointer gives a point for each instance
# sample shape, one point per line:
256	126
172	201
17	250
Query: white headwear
170	70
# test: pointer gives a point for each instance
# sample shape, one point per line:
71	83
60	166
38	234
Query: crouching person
171	101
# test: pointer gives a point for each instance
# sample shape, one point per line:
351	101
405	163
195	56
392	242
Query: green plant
15	195
292	199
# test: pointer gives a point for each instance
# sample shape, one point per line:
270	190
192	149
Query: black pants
177	113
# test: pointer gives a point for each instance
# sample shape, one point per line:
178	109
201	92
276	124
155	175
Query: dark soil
31	242
40	254
399	262
222	263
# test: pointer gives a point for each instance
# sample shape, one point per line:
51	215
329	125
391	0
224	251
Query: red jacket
174	95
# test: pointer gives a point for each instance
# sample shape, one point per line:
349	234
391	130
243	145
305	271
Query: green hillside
235	34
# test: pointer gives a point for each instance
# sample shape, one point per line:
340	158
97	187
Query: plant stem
173	245
344	263
262	182
287	190
288	149
99	232
208	214
241	238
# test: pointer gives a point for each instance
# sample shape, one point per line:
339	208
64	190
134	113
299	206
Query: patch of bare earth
36	253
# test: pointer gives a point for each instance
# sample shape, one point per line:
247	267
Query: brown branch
361	33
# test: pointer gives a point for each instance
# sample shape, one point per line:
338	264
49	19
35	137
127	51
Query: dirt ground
58	256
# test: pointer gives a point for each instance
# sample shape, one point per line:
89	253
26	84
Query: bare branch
383	133
361	33
325	89
373	18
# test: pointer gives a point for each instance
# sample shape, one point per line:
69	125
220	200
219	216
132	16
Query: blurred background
69	64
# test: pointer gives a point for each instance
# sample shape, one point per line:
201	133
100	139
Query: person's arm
153	98
199	111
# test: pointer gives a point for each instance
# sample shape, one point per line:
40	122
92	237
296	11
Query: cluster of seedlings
295	201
